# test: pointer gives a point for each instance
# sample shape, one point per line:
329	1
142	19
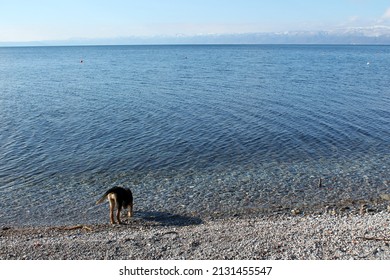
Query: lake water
193	130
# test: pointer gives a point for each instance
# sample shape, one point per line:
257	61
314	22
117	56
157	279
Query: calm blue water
191	129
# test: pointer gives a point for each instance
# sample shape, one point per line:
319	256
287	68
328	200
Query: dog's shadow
168	219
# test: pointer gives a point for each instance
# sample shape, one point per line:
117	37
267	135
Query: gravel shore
284	236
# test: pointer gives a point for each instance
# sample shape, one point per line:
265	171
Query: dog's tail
103	198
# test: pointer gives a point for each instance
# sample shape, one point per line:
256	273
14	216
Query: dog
118	197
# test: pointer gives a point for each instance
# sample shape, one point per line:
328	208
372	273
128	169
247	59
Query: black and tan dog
118	197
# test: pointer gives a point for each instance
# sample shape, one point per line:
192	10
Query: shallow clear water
191	129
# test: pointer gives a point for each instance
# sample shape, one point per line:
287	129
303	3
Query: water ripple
227	119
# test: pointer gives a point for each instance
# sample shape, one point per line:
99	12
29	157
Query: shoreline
261	188
326	236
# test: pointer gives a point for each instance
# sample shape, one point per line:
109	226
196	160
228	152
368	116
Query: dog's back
123	196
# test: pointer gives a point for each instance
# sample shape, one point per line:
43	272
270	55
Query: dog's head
129	196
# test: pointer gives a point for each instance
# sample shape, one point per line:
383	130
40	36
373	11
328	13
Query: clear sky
35	20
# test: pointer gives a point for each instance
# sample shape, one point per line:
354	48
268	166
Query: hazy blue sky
23	20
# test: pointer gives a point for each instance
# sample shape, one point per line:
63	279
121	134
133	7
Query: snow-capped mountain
379	34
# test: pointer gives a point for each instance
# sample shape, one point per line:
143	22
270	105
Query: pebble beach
289	236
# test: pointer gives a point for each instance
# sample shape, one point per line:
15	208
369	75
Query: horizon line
320	37
195	44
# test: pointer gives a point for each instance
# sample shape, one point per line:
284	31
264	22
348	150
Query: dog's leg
118	213
130	212
111	200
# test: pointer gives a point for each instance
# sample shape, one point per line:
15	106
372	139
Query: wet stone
385	196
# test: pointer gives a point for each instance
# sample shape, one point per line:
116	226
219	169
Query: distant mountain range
377	35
